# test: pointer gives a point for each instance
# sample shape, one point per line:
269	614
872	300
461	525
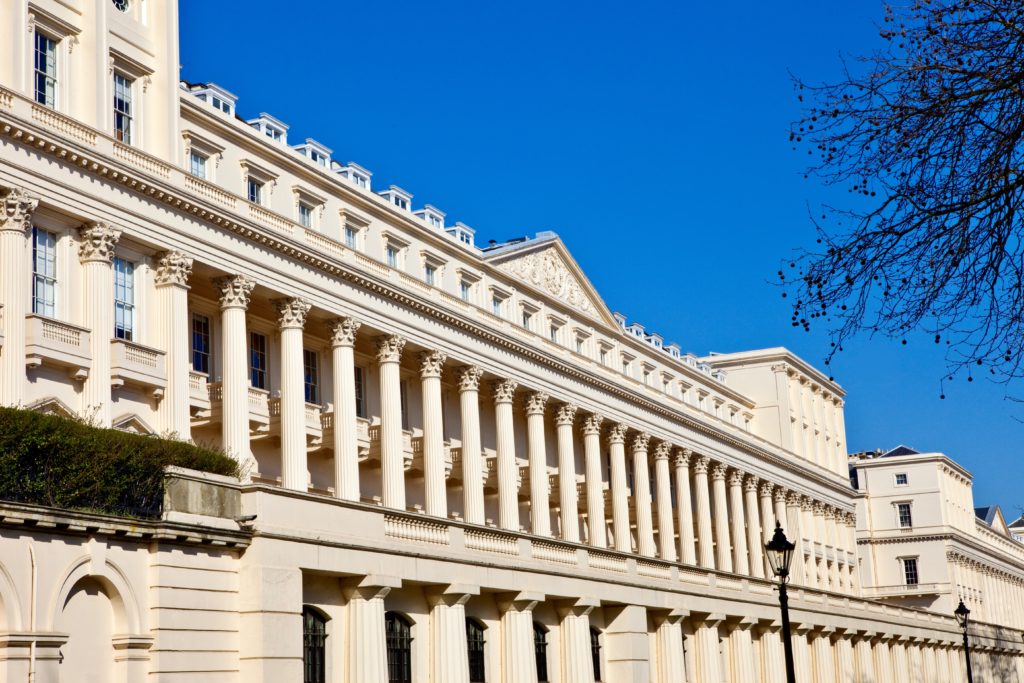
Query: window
44	272
435	221
360	394
398	636
254	190
391	254
273	133
123	130
540	651
197	165
496	305
465	290
901	478
46	70
579	345
430	274
527	319
314	651
604	356
318	158
475	646
910	571
311	375
595	652
361	180
305	215
553	333
351	235
403	402
258	360
124	299
201	343
220	104
903	515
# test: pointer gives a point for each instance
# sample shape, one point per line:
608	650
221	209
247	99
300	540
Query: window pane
314	651
258	360
398	636
45	70
197	165
201	343
122	109
311	376
44	272
124	299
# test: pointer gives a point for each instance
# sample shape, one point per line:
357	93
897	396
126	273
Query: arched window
595	651
540	649
398	632
475	645
314	652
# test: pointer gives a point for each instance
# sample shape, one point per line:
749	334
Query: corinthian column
669	644
15	276
684	507
392	459
518	661
540	506
595	492
663	481
753	528
235	291
642	496
568	500
508	471
739	531
291	319
794	503
96	252
449	657
366	646
577	663
723	548
620	492
172	273
346	445
702	503
472	465
436	499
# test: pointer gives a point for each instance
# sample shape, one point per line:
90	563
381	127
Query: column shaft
577	663
663	482
508	471
449	654
567	498
642	497
518	663
684	508
96	252
802	656
740	562
671	667
741	652
234	300
472	457
366	646
702	503
620	491
845	669
773	658
596	521
172	273
824	657
346	444
709	659
15	278
392	457
540	506
723	548
294	470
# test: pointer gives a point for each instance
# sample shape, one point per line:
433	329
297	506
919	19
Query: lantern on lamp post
963	616
780	554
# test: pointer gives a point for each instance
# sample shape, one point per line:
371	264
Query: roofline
913	457
774	353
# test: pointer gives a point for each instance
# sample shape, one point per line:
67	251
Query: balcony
137	365
417	456
362	432
55	343
373	434
313	423
199	394
906	591
259	409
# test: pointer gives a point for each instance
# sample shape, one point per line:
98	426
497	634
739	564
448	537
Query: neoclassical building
457	465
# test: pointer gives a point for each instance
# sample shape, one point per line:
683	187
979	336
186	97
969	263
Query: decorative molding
504	390
291	312
535	403
735	478
235	291
592	425
617	434
97	242
662	450
701	464
469	377
173	268
565	415
18	207
546	270
750	483
389	348
432	363
718	472
343	331
767	490
683	456
640	442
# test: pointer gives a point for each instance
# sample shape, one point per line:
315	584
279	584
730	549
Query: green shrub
57	462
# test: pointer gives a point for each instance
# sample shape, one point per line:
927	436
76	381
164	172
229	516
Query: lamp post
780	554
963	615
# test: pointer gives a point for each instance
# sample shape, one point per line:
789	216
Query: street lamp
963	616
780	554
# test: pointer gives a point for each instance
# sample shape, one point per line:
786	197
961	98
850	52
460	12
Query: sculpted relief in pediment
547	271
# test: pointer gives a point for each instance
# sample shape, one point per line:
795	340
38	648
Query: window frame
897	482
314	645
65	36
899	516
400	657
540	652
207	337
259	372
595	652
54	98
359	386
125	119
125	304
50	278
908	569
476	650
311	376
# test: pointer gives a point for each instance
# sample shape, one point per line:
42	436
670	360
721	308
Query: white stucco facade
460	462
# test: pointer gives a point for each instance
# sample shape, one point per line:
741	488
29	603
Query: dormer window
217	97
355	174
397	196
462	232
315	152
432	216
273	128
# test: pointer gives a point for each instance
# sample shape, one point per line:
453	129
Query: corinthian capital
718	472
683	456
97	242
389	348
469	377
431	363
701	464
504	390
235	291
343	331
662	451
535	403
18	207
617	434
735	478
565	415
640	442
173	268
592	425
750	483
765	489
291	313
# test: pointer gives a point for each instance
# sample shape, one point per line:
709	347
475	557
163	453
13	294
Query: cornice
160	190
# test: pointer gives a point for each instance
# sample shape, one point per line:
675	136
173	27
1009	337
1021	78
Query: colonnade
994	595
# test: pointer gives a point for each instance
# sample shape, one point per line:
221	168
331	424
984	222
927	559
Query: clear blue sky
652	136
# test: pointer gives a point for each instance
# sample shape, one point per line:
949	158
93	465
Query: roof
900	450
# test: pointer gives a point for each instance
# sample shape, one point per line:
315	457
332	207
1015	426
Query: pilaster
518	664
577	664
670	665
366	648
449	657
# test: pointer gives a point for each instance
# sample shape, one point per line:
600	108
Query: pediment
51	405
134	424
999	523
547	266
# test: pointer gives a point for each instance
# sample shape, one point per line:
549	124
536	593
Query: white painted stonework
431	434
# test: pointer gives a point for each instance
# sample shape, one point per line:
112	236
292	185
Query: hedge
63	463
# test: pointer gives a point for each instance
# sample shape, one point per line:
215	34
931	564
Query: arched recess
87	617
10	603
128	618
